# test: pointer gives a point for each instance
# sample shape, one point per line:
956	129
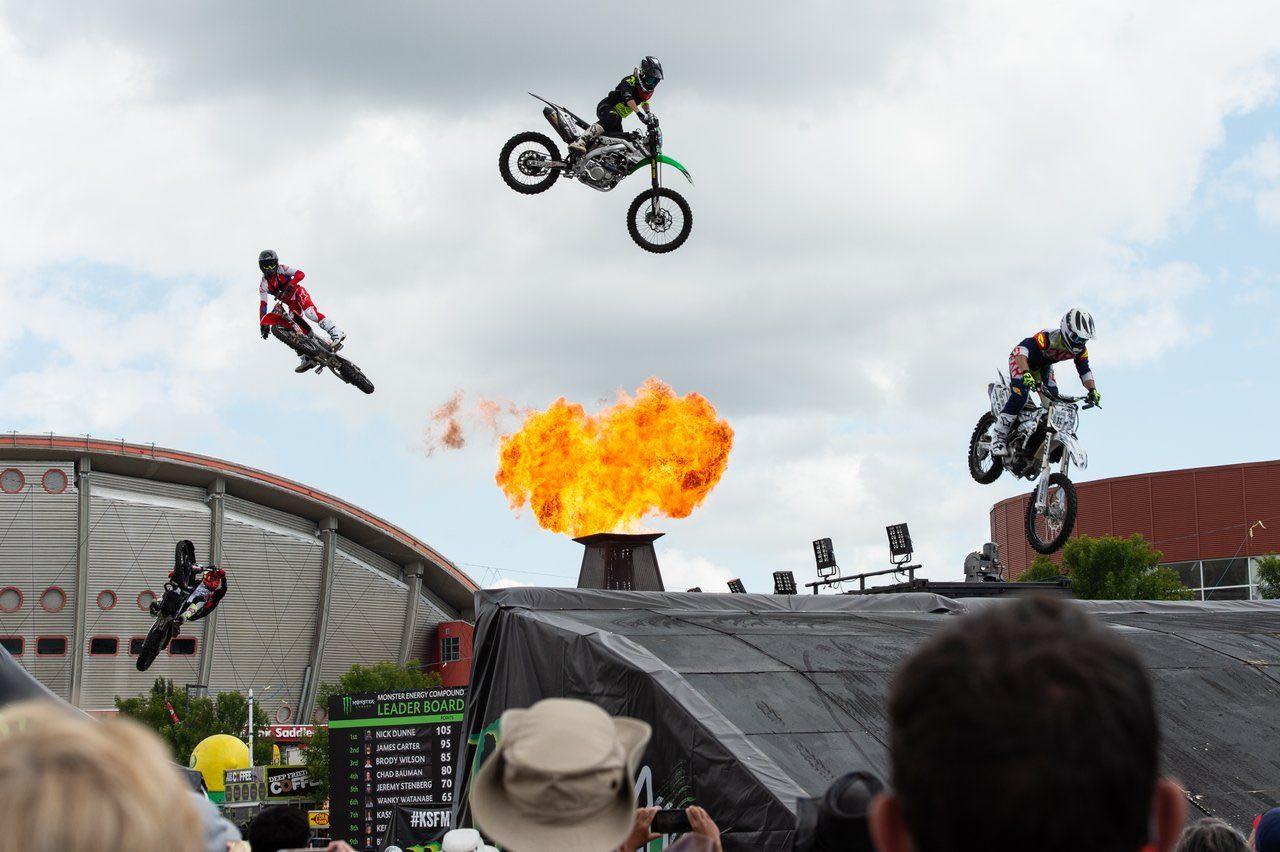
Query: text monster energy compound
387	751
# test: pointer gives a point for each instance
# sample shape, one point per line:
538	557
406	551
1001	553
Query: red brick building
1205	522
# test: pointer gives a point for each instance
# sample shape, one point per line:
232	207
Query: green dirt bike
659	219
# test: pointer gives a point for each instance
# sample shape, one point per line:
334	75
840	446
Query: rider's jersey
629	89
270	287
1046	348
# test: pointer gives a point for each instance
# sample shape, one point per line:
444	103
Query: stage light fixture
737	588
696	589
825	555
784	583
899	544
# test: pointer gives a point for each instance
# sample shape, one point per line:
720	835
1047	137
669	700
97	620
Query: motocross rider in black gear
630	95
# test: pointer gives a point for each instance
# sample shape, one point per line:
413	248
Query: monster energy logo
346	704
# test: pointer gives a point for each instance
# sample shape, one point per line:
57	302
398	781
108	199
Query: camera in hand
670	822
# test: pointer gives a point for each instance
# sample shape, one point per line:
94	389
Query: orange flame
655	453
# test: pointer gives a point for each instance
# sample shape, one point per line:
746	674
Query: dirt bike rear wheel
980	473
664	229
353	375
1047	534
524	167
151	645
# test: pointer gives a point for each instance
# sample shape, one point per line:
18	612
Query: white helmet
1077	327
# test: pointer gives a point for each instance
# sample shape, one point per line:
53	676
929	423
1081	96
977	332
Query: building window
145	597
135	645
1219	579
51	646
104	646
10	599
183	646
54	481
12	481
283	714
450	649
13	644
53	599
106	599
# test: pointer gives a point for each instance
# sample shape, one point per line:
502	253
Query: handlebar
1054	396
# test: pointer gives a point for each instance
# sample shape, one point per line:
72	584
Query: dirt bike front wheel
151	645
353	375
525	163
659	220
983	466
1049	529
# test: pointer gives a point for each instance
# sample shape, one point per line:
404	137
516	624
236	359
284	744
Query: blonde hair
71	784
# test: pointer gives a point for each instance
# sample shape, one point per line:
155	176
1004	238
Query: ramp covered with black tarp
756	700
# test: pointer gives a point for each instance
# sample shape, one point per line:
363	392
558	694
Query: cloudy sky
889	196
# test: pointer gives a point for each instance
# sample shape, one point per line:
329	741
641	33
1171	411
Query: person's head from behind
837	820
72	784
278	827
1028	725
1211	835
1266	834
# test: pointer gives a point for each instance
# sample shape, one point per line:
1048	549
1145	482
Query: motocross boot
306	364
580	145
336	335
1000	435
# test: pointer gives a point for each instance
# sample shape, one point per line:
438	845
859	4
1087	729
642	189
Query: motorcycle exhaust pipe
553	118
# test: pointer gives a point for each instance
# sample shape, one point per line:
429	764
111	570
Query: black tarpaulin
756	700
16	684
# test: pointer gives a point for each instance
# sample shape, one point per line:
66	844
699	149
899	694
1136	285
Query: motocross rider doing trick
203	595
630	95
1031	365
283	283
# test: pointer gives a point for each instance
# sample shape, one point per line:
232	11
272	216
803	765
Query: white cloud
682	571
874	230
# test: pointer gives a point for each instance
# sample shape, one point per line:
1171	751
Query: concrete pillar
412	576
78	649
217	521
329	537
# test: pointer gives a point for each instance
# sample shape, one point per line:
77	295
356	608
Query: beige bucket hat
562	777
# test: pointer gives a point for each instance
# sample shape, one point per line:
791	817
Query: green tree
200	717
379	677
1042	568
1269	576
1113	568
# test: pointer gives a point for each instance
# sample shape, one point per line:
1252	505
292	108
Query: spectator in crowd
1211	835
1027	725
561	777
837	821
219	833
1266	834
464	840
278	827
72	784
282	827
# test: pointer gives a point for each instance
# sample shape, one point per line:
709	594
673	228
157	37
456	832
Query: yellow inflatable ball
216	754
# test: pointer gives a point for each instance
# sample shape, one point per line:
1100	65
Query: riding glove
265	331
1094	397
1029	381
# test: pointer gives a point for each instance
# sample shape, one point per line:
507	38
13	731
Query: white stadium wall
293	562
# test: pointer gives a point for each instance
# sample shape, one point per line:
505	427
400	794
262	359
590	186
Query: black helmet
650	73
268	262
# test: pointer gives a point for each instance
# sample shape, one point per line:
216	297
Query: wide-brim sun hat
562	777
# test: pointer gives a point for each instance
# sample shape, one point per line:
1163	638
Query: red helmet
213	578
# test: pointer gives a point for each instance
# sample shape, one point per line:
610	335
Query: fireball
652	454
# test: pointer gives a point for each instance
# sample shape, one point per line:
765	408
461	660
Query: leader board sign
386	750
